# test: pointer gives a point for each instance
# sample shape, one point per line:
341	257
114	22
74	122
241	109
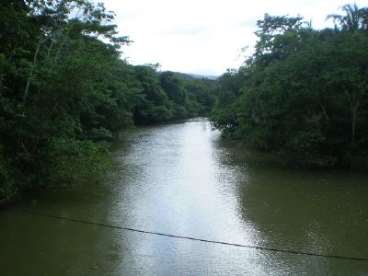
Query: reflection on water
181	179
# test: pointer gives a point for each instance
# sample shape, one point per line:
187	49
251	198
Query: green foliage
73	161
65	91
153	105
8	188
304	93
353	19
171	96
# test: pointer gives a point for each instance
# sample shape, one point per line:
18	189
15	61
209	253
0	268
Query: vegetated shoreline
282	160
303	93
65	93
170	122
9	203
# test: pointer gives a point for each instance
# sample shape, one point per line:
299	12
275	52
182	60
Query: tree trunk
354	113
30	77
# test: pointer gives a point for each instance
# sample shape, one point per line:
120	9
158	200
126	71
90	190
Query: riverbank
286	159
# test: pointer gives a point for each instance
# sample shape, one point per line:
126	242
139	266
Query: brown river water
182	180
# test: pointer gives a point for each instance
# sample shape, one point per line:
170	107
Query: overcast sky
204	36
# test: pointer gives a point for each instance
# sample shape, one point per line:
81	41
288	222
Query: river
182	180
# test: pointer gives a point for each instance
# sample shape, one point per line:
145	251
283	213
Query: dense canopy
304	92
65	91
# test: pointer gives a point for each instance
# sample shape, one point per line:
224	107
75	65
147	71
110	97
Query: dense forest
303	94
66	91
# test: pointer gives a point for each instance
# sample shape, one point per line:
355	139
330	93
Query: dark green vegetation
170	96
65	92
304	92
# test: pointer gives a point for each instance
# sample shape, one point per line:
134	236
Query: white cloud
203	36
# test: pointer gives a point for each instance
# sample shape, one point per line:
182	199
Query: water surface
181	179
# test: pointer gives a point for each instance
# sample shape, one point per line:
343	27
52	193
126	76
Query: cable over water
255	247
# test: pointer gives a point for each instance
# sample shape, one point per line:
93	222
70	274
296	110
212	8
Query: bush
72	161
7	187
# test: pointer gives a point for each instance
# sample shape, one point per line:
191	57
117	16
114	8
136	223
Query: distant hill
195	76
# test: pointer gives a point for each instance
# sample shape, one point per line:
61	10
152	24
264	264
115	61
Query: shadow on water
324	212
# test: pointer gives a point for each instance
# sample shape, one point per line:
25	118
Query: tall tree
353	19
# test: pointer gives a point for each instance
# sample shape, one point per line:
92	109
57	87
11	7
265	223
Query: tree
354	19
60	87
303	94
